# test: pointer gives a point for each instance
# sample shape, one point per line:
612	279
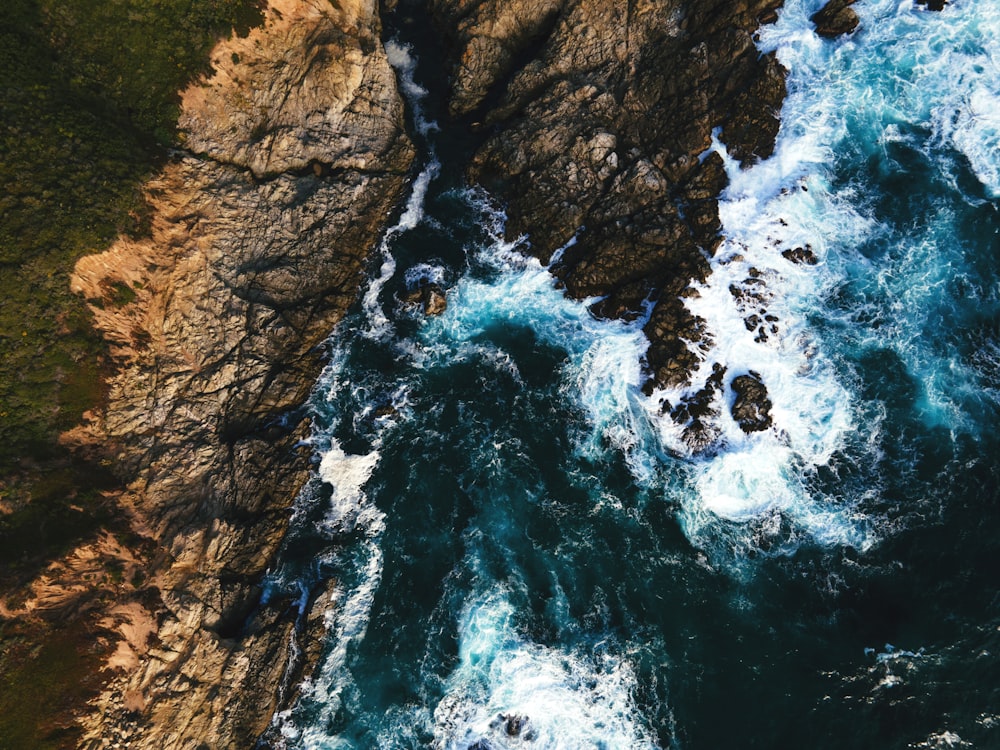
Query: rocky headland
598	116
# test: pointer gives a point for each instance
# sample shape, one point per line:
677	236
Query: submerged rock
752	408
430	296
933	4
836	18
597	127
295	155
801	255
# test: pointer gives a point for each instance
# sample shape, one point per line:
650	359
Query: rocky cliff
295	154
597	117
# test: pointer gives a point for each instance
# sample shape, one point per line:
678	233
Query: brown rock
436	302
252	259
835	18
597	132
752	407
430	296
800	255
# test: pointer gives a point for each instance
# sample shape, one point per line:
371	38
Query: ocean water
527	554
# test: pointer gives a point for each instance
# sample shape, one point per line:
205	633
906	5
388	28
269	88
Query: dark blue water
515	531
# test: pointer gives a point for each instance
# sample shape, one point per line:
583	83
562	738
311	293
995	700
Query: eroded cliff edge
295	155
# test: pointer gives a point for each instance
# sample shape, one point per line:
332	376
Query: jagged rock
835	19
752	408
694	413
933	4
295	155
514	724
430	296
597	122
801	255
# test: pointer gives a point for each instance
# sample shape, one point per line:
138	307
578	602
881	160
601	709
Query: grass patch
88	109
44	674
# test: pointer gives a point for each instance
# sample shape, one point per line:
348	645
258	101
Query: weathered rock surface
295	156
597	116
751	408
836	18
430	297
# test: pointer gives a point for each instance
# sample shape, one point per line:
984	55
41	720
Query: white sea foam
348	609
401	58
425	273
756	306
929	81
378	325
566	700
346	474
346	620
602	371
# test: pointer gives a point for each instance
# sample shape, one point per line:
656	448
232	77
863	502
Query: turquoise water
515	531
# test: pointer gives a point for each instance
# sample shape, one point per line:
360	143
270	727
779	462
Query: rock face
295	155
751	408
835	18
430	297
597	115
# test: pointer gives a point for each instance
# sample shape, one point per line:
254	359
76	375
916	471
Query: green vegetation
40	682
88	106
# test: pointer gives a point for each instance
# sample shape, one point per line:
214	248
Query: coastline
215	341
294	157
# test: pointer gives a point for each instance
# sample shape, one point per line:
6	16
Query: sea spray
507	691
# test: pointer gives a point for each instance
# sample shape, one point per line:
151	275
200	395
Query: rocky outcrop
751	407
294	156
836	18
597	116
430	297
801	255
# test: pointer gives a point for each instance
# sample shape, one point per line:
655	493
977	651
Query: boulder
836	18
751	408
430	296
800	255
514	724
